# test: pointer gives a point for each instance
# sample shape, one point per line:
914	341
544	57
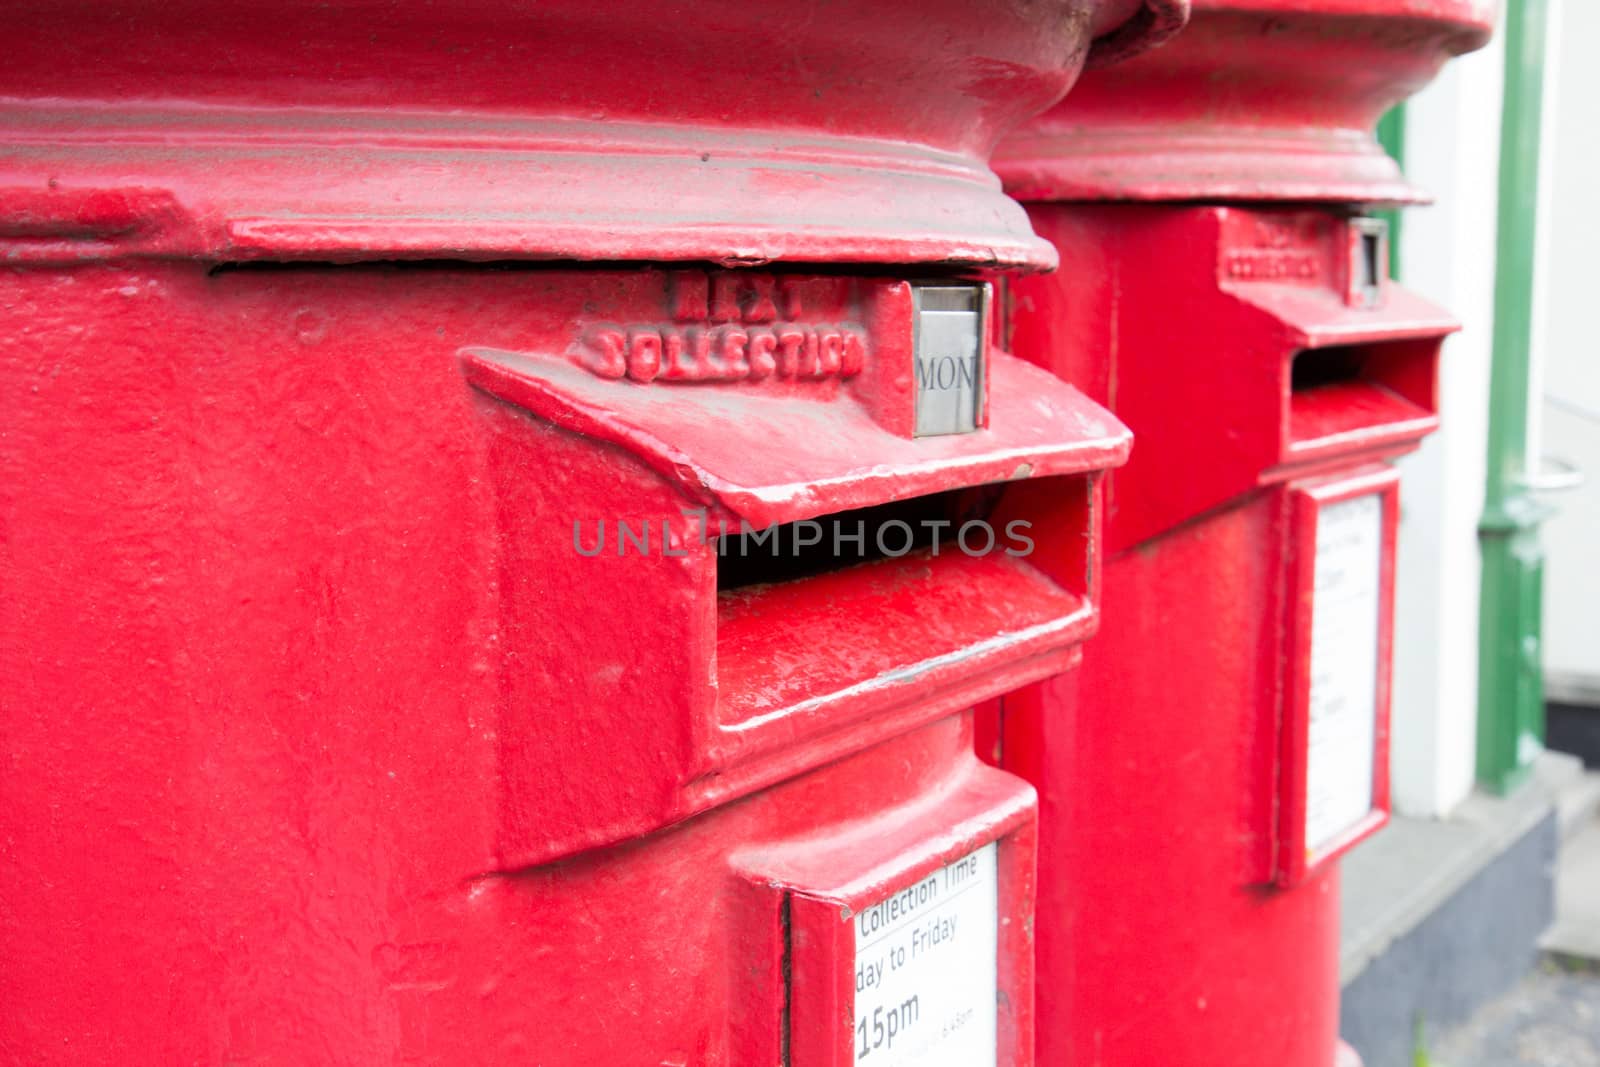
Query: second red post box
1224	291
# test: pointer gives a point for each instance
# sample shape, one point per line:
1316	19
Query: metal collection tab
951	324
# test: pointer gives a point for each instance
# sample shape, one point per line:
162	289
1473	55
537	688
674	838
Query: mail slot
1225	291
508	514
765	481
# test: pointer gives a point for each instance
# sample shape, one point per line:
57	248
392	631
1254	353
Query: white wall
1570	280
1447	253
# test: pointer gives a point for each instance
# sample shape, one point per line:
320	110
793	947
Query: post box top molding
730	133
1258	100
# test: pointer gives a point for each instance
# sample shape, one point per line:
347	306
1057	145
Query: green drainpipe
1510	684
1392	135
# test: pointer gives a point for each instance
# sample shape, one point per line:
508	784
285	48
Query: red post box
507	513
1225	739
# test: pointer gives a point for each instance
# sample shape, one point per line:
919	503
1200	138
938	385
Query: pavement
1576	931
1551	1018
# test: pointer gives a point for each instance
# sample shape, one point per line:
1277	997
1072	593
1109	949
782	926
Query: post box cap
1257	100
727	132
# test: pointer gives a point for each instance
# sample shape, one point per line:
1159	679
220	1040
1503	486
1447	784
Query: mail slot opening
934	581
952	521
1327	366
1344	390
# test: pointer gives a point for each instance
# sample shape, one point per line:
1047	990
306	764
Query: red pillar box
1225	739
506	515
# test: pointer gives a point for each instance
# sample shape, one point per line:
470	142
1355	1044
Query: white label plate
926	970
1345	604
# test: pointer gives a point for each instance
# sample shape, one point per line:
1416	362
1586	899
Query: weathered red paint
309	685
1171	763
1183	917
1258	100
1247	297
324	742
735	133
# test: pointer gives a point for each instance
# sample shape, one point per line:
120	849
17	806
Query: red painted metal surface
331	736
1263	358
1257	365
1155	762
1255	100
734	133
310	682
1266	366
